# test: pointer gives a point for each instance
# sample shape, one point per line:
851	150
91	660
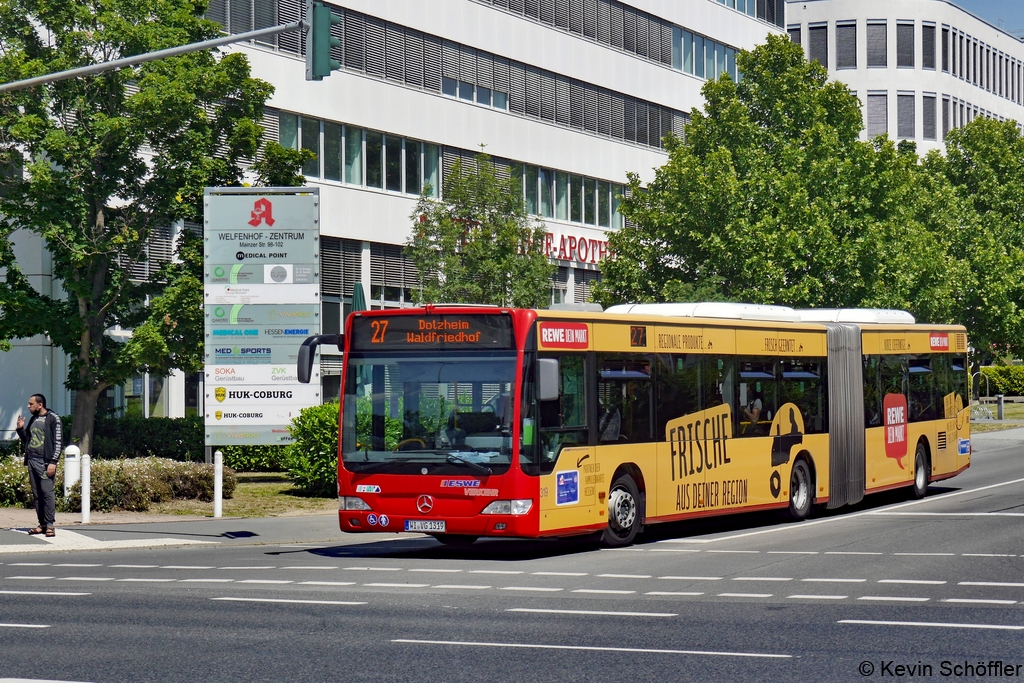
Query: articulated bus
467	421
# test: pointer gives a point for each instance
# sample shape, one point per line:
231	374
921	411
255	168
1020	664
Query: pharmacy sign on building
261	292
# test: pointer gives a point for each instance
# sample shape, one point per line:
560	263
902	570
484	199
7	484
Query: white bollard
86	486
72	467
218	484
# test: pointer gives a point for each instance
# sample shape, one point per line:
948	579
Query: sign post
261	298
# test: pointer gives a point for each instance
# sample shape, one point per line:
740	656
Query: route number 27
379	328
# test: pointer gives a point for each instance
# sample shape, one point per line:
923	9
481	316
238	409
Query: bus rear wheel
800	491
623	512
920	471
456	540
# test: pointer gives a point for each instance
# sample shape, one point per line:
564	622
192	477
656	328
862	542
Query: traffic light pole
151	56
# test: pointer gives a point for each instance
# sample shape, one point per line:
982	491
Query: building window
794	35
945	49
846	46
928	47
905	46
905	116
353	155
928	120
817	37
375	160
878	114
413	170
878	46
332	151
945	116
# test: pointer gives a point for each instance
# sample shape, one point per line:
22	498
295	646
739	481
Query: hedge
131	485
256	458
160	437
1004	379
313	457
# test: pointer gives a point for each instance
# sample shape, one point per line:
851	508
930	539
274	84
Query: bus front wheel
920	471
623	512
800	491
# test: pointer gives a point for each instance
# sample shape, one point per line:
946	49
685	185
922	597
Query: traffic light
319	41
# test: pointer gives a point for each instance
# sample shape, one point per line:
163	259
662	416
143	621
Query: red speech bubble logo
894	408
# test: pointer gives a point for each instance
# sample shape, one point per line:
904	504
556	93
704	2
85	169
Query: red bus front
430	424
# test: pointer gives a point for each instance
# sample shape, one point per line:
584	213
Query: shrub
15	489
11	448
1005	379
160	437
313	457
256	458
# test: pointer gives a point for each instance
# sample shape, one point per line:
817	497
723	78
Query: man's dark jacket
53	436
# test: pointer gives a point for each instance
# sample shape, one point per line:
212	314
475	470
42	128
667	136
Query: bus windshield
437	414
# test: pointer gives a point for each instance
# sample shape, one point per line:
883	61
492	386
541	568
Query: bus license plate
436	526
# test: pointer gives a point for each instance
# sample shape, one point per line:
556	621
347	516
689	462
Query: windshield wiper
381	464
459	460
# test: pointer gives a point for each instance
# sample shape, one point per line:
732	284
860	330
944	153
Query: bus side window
624	399
564	422
872	396
921	385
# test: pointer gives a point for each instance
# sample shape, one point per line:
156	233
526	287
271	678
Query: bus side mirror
547	379
308	351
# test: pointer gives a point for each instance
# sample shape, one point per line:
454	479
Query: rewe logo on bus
565	335
894	408
938	342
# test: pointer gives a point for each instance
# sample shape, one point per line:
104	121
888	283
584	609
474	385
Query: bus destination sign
414	332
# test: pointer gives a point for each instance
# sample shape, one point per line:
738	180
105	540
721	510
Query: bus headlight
352	503
519	506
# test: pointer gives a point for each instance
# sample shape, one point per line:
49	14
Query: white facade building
569	95
919	67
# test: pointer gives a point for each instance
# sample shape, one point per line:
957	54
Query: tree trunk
83	419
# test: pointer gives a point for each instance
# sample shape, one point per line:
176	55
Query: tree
772	198
108	159
477	244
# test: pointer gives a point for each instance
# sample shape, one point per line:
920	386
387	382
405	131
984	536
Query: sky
1011	12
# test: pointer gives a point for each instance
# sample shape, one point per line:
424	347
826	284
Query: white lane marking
183	566
29	564
133	566
25	625
86	578
265	581
792	552
39	593
738	552
981	602
842	518
624	576
471	587
71	564
891	598
559	573
314	568
327	583
950	514
922	582
31	578
207	580
147	580
1001	584
835	580
591	612
849	552
744	595
925	554
674	550
926	623
292	602
264	567
692	578
437	571
373	569
986	555
397	585
818	597
493	571
761	578
673	593
599	591
541	589
587	648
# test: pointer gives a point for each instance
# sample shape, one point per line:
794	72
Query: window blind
877	46
846	46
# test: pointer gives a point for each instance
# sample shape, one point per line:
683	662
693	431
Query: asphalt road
936	586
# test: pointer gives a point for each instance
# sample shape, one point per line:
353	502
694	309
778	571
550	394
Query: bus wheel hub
621	509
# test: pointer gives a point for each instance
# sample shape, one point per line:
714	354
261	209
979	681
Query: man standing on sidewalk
42	440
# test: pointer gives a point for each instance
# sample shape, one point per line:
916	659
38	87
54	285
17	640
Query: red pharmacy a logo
262	210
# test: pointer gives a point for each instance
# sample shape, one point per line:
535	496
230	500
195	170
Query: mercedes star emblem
424	504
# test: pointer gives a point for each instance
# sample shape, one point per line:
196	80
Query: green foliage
91	196
1004	379
279	166
313	457
772	198
478	245
256	458
161	437
15	489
